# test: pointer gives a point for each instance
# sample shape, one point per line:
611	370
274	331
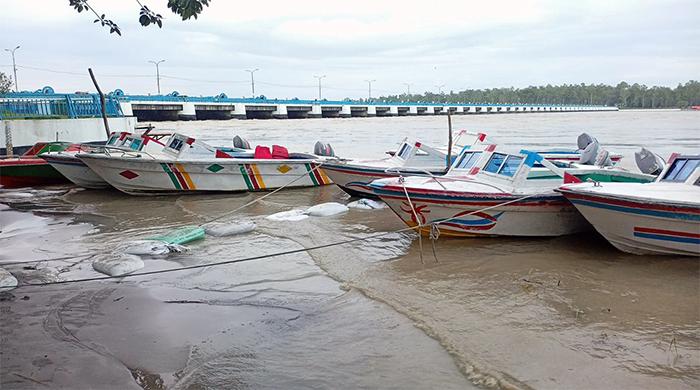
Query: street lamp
156	63
439	87
408	88
14	65
319	85
369	93
252	79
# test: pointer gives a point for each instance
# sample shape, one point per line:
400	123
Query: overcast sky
459	44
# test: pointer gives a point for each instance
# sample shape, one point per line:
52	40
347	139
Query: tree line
622	95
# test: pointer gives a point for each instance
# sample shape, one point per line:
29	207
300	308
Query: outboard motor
240	143
648	162
589	153
603	159
323	149
584	140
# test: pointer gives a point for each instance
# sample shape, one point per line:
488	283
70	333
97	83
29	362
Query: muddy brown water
566	312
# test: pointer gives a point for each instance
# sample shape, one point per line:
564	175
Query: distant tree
186	9
5	83
622	95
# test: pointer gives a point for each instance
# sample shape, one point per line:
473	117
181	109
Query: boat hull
641	227
355	180
464	215
75	170
28	172
153	176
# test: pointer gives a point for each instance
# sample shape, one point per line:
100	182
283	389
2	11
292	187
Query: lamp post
319	85
157	63
439	87
252	79
369	92
14	65
408	88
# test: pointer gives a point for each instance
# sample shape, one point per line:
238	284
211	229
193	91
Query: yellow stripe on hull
258	177
186	175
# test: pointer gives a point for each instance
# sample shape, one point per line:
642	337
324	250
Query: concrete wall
30	131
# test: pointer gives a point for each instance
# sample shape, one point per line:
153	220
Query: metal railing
55	106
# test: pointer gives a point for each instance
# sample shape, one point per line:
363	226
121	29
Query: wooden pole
102	102
448	159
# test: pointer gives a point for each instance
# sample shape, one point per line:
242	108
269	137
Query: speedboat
70	166
493	193
412	157
29	169
662	217
187	165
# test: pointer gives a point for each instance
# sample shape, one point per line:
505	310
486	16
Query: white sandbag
7	280
327	209
367	204
229	229
151	248
291	215
117	265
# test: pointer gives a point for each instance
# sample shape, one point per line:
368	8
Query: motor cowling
584	140
323	149
589	153
648	162
240	143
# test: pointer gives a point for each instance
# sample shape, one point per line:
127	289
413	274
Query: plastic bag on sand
327	209
7	280
151	248
120	264
291	215
229	229
367	204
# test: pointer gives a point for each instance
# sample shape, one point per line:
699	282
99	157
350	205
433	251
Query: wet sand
567	312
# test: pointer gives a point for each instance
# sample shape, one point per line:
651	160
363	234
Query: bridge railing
55	106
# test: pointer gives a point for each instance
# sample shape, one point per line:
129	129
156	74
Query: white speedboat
493	193
412	158
80	174
187	165
662	217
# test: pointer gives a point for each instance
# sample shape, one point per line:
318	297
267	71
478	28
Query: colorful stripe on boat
251	176
667	235
631	207
178	176
318	177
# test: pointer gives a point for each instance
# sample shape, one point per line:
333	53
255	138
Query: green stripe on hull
244	173
171	175
311	174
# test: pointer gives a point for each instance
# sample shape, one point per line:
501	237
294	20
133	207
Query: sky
446	45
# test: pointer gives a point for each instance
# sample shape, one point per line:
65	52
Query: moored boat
493	193
29	170
187	165
75	170
662	217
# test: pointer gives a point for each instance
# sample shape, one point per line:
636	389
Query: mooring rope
417	228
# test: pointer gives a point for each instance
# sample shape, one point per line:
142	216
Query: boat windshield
503	164
468	160
681	168
404	151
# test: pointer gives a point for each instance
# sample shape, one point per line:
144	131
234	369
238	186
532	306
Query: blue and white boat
662	217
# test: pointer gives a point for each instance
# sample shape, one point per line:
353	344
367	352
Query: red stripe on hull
638	229
180	179
630	203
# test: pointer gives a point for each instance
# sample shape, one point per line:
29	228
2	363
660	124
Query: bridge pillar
345	112
316	111
393	110
188	112
281	112
371	111
412	110
126	108
239	111
459	110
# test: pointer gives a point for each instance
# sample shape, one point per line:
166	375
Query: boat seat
262	152
279	152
